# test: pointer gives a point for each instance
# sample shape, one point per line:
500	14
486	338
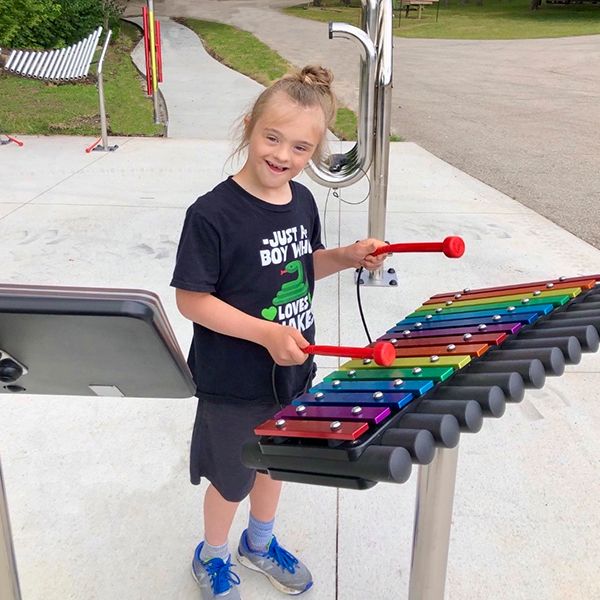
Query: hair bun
316	75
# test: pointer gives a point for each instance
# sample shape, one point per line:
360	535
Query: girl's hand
359	254
285	345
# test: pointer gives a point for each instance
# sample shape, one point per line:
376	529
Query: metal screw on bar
319	395
336	383
280	423
417	371
406	332
418	325
482	326
511	308
301	409
550	285
496	318
429	317
377	395
393	341
434	358
335	426
466	290
398	382
439	310
525	301
450	347
352	373
448	302
356	410
467	336
367	361
537	293
457	296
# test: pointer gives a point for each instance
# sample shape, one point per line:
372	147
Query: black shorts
221	428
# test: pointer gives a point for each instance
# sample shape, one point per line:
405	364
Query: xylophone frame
549	342
35	321
433	521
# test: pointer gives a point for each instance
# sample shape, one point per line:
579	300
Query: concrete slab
98	492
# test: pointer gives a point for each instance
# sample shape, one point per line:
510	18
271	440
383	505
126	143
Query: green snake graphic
295	289
290	291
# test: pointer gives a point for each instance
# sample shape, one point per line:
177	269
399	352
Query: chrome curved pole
379	172
340	170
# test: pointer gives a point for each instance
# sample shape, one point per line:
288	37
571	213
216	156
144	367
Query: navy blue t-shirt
256	257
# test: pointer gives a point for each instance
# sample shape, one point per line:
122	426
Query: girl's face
282	142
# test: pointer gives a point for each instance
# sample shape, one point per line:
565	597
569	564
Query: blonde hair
309	87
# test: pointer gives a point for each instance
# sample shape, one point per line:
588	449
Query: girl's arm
329	261
283	343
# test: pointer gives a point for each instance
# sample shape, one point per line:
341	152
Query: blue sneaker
283	569
215	577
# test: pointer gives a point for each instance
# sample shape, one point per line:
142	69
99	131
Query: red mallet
453	247
383	353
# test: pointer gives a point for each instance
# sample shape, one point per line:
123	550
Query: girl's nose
282	153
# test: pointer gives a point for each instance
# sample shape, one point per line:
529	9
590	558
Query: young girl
249	253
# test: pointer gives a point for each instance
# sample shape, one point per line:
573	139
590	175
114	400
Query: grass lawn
28	106
244	53
493	20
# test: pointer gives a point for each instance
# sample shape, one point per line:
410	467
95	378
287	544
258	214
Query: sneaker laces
286	560
222	578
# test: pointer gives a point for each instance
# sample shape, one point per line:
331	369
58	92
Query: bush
28	23
54	23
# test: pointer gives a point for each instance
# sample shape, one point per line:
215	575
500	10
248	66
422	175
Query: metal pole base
101	148
380	278
9	581
433	519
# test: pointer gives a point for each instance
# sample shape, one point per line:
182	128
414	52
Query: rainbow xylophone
460	357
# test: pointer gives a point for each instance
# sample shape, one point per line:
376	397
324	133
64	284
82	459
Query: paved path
196	87
521	115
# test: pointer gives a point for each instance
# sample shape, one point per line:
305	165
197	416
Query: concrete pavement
98	489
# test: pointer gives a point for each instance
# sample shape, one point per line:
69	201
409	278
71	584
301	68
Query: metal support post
103	126
433	519
9	581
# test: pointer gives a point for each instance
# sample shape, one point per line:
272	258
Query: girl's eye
271	138
300	149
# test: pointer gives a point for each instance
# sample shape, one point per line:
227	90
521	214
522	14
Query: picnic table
415	5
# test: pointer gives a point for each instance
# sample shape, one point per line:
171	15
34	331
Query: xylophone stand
9	582
112	343
433	520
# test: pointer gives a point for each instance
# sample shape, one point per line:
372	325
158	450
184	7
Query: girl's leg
258	549
218	516
264	497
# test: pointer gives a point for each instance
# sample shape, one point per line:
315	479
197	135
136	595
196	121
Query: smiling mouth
276	168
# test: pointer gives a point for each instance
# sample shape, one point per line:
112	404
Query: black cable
325	215
358	300
365	198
